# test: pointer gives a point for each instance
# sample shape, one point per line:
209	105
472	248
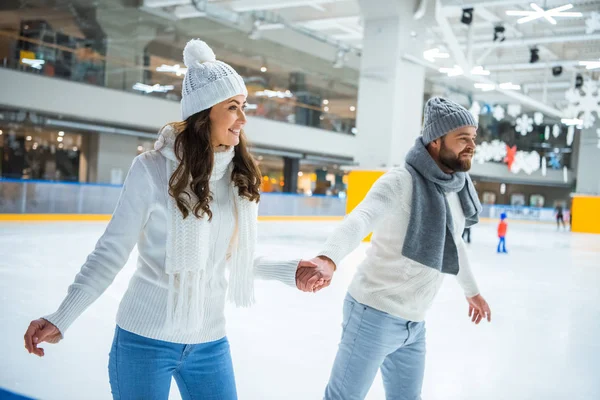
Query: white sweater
141	217
386	280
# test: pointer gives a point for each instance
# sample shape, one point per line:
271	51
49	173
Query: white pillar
390	94
588	161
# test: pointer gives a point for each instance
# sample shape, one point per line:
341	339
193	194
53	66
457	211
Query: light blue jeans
373	339
142	368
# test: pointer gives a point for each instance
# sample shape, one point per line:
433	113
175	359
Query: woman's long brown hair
193	147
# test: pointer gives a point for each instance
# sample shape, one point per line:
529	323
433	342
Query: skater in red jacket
502	226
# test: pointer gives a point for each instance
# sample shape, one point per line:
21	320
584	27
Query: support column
586	200
291	167
390	94
391	89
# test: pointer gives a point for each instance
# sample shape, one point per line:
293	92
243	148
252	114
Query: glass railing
87	66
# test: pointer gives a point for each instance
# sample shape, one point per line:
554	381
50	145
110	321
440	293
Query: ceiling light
34	63
571	121
486	87
140	148
478	70
59	139
432	54
300	173
75	148
263	69
61	133
154	88
1	132
509	86
352	108
454	71
174	69
326	109
60	145
325	101
590	64
548	15
28	138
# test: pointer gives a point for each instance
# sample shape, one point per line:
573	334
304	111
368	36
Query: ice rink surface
543	342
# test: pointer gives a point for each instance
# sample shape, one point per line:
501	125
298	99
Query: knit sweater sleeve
112	249
379	202
465	276
280	270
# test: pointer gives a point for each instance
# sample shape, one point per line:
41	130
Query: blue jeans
373	339
502	245
142	368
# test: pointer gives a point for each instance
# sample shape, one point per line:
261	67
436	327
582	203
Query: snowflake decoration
547	132
514	110
498	113
524	125
584	102
555	159
538	118
475	110
490	151
556	130
592	24
544	166
526	161
570	135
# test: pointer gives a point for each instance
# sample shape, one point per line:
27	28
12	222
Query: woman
191	207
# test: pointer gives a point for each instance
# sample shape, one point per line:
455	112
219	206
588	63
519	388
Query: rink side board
586	214
359	184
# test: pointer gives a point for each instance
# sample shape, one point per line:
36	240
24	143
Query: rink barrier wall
586	214
26	200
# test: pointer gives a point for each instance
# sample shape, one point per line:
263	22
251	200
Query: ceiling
310	35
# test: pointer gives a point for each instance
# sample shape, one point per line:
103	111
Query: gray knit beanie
443	116
207	81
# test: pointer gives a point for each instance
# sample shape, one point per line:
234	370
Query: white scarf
188	246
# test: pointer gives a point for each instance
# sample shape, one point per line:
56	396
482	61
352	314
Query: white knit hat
207	81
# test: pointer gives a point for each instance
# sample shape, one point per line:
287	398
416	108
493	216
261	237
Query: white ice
543	342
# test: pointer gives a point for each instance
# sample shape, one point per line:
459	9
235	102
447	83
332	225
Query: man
560	219
395	285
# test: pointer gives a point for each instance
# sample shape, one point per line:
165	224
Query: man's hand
313	279
479	309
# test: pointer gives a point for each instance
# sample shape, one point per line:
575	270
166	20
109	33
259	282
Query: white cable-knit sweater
141	217
386	280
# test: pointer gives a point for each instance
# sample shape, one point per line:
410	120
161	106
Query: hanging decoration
525	161
556	130
543	166
592	24
475	110
538	118
565	174
498	113
490	151
514	110
524	125
555	160
584	102
570	135
510	156
547	132
517	161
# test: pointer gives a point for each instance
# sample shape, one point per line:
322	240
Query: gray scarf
429	240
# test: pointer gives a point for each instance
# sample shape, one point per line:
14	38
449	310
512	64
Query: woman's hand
40	331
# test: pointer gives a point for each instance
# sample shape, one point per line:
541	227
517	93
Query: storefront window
32	152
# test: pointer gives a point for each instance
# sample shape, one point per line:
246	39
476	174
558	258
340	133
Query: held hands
315	274
479	309
40	331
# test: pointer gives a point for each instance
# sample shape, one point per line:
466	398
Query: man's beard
455	163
